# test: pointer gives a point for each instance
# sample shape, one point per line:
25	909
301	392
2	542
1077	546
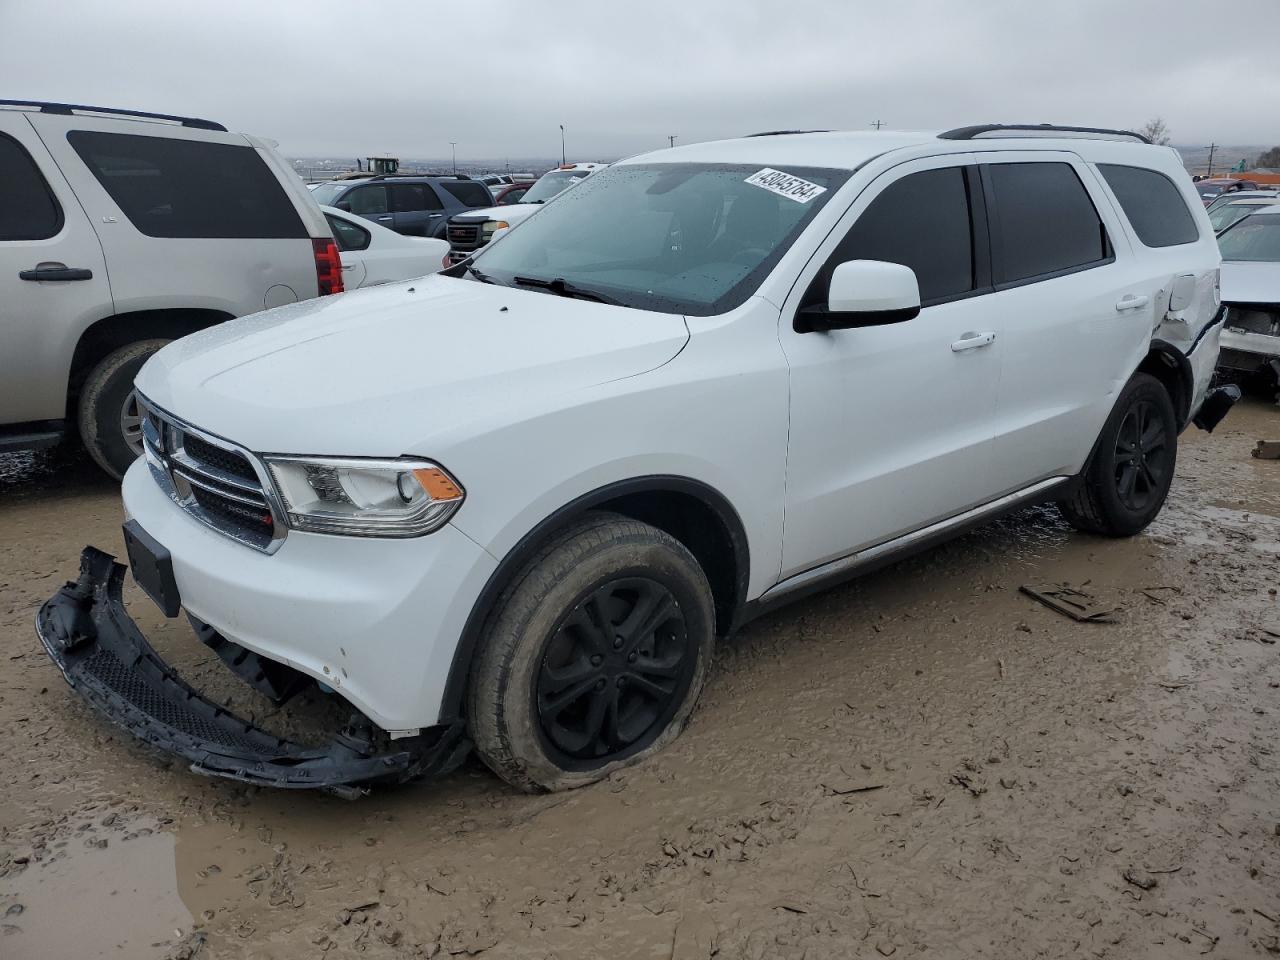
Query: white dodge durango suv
512	506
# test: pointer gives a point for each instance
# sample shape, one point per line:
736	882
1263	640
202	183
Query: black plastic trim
453	702
105	658
69	109
765	604
816	318
975	132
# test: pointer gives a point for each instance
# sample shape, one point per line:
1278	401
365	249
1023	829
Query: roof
849	150
1267	210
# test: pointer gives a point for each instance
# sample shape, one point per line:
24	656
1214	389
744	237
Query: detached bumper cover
104	657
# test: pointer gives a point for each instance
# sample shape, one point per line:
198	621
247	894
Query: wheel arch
693	512
1171	367
121	329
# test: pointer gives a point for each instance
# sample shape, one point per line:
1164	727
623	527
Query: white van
121	231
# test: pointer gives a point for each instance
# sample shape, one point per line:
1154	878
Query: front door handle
383	218
435	216
972	341
1131	301
51	270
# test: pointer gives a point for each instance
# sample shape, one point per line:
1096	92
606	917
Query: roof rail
68	109
975	132
783	133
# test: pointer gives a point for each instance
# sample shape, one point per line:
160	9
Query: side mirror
343	205
863	293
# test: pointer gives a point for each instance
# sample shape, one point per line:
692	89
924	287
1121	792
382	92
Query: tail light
328	266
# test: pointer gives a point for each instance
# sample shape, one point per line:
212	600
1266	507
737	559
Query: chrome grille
463	236
212	479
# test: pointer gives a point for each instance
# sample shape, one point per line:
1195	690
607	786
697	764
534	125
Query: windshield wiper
562	288
482	277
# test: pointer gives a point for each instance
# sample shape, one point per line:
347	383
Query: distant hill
1225	158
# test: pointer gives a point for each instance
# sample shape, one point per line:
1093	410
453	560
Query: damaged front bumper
103	655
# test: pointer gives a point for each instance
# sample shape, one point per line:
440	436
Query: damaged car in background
1251	296
510	507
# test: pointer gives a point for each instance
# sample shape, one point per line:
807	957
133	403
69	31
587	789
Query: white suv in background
512	506
121	231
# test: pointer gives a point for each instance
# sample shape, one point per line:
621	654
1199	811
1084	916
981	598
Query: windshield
553	183
1209	189
1226	214
689	238
1255	238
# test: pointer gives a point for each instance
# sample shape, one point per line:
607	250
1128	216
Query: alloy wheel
614	672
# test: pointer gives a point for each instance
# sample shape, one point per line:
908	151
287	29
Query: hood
382	371
513	213
1249	282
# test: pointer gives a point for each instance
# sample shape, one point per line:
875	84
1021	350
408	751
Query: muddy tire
1128	476
594	656
110	426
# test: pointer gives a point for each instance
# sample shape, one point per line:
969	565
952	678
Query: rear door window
921	221
468	192
28	210
413	197
189	188
1043	223
366	200
1153	204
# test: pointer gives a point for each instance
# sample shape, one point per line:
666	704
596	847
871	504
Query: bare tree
1156	131
1270	159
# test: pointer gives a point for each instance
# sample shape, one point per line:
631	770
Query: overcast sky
357	78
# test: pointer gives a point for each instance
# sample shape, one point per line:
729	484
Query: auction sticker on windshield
785	185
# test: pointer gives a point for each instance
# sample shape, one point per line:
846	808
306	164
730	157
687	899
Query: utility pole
453	145
877	124
1212	148
671	140
562	159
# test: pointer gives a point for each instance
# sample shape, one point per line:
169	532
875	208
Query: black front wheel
1131	469
594	657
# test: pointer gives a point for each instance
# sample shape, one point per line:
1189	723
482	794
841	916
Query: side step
103	655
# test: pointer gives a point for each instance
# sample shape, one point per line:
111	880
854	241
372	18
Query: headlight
365	498
492	226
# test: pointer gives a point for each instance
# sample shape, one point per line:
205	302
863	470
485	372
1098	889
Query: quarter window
169	187
347	234
921	221
1043	221
28	210
1153	204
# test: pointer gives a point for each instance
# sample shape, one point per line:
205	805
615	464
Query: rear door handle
435	216
972	341
1131	301
55	271
383	218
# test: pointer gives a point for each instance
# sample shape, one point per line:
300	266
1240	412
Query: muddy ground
924	763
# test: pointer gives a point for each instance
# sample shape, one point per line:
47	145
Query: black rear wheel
1128	476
